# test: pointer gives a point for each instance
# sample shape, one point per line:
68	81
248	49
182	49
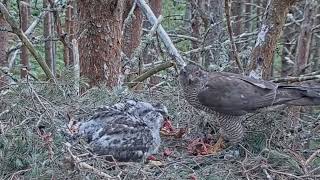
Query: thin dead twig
16	29
149	73
84	165
172	50
130	15
19	172
312	157
269	177
296	79
233	44
284	173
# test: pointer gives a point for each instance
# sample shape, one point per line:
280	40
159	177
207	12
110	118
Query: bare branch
296	79
162	33
233	44
84	165
15	28
149	73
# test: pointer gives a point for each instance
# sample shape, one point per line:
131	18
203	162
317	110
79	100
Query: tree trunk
4	39
248	13
262	55
195	31
73	28
66	51
132	30
317	45
236	13
100	41
24	19
305	39
47	33
301	61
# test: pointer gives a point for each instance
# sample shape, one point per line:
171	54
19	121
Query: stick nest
33	142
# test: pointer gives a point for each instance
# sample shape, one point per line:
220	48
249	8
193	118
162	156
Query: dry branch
233	44
162	33
14	50
149	73
76	65
84	165
296	79
15	28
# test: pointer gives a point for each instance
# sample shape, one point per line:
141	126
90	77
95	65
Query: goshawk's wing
236	94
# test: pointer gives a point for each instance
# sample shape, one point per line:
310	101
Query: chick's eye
197	73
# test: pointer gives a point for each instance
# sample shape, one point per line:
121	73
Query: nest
33	142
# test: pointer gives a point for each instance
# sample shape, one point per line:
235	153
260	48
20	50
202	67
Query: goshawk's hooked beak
183	70
190	79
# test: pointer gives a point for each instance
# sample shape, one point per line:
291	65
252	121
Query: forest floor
33	118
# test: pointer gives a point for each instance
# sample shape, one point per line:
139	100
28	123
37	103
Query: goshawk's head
191	75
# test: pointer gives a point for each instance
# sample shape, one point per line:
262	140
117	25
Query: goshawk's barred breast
230	96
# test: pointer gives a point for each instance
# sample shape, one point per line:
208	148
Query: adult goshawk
230	96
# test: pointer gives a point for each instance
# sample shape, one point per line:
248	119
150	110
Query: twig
6	72
199	49
130	15
233	44
312	73
28	32
284	173
267	174
312	157
76	64
16	29
186	37
19	172
87	166
149	73
143	45
162	33
296	79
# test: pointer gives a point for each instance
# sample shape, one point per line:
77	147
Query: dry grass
33	145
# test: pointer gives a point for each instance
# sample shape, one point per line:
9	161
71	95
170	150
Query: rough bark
234	53
305	39
24	20
66	50
132	30
73	28
195	30
236	12
316	40
100	41
262	55
4	39
248	12
156	6
47	36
